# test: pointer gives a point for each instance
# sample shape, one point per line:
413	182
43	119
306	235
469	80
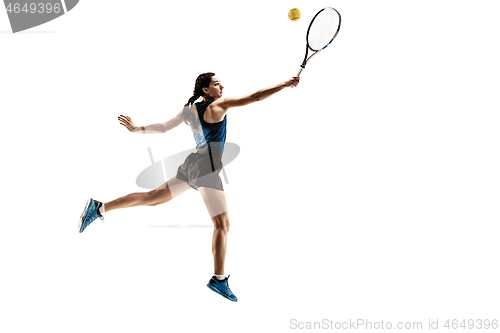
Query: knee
152	198
222	224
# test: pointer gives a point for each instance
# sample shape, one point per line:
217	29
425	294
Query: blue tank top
213	135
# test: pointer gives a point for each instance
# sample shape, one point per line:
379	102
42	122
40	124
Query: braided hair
188	114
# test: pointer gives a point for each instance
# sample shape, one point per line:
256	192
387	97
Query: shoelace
93	217
226	287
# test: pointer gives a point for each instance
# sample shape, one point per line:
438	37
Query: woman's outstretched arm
151	129
228	103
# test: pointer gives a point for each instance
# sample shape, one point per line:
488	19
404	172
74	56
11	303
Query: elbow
257	97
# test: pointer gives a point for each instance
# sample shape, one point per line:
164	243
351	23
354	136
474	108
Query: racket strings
323	29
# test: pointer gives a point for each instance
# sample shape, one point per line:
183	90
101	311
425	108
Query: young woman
200	171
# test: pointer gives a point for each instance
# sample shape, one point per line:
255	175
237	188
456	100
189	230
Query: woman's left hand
127	122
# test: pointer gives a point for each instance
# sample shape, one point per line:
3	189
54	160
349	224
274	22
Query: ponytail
192	99
190	112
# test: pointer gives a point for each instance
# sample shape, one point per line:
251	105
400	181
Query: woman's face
214	89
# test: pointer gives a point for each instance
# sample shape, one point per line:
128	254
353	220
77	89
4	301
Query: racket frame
308	47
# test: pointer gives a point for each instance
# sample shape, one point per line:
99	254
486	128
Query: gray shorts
201	169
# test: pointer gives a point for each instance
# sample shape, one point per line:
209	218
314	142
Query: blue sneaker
222	288
90	213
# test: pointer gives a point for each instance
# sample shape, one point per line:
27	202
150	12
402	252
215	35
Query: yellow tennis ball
294	14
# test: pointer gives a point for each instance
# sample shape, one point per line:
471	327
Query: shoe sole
218	292
80	221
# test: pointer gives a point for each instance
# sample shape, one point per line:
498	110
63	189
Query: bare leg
166	192
215	201
219	241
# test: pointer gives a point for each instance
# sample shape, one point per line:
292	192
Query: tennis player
200	170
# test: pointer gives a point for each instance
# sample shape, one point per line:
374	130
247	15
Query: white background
369	191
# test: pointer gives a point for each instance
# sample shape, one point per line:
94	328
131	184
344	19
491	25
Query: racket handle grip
300	71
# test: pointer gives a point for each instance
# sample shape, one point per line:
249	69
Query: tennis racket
322	31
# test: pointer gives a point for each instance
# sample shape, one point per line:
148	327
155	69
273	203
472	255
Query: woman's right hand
127	122
293	82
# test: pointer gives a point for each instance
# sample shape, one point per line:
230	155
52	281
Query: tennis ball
294	14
